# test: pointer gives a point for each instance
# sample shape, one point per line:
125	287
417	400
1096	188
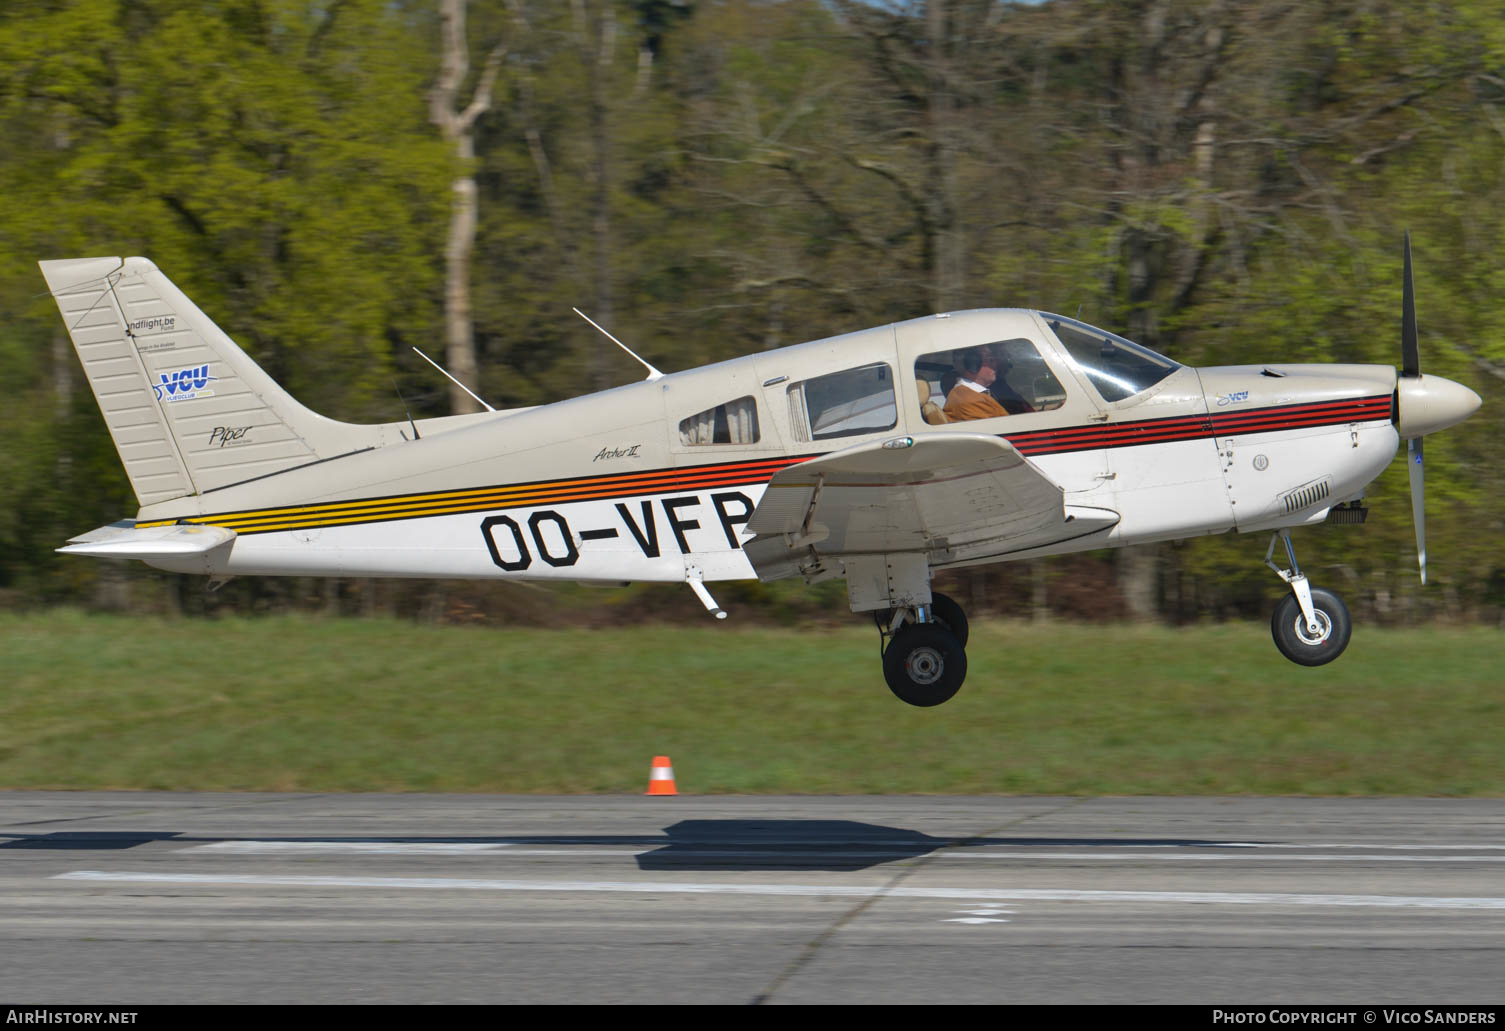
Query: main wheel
1297	643
924	664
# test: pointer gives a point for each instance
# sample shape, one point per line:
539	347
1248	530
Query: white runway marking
1357	844
831	890
393	848
405	848
1242	857
686	851
989	915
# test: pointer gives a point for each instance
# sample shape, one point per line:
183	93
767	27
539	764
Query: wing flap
953	496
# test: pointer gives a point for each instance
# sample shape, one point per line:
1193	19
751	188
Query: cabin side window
1006	377
735	422
845	404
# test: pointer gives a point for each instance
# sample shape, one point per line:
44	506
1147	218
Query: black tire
924	664
1291	637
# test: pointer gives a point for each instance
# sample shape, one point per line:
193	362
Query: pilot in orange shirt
970	399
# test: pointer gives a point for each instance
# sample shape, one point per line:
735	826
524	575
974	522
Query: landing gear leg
924	650
1311	626
943	610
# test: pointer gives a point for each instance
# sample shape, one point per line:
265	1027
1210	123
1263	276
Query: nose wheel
924	658
1311	625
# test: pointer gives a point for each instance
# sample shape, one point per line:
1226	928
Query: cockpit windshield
1118	368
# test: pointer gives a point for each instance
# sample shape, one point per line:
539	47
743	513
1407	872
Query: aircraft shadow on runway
785	845
838	845
767	844
86	841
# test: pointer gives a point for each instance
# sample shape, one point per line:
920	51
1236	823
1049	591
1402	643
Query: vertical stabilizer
188	409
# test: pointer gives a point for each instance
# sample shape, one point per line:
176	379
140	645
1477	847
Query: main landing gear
1310	625
924	650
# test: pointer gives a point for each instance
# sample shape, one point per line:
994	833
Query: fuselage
652	480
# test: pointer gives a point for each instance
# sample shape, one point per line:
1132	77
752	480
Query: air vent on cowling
1305	496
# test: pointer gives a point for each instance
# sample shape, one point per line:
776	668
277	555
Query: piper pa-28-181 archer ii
878	456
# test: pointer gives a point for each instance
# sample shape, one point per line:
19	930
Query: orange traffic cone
661	777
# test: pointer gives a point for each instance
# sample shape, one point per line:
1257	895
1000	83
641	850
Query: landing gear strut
924	650
1310	625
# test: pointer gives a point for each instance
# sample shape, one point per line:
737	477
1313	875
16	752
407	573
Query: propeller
1418	501
1410	358
1411	369
1424	404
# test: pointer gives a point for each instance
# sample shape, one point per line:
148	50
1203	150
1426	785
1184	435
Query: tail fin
188	409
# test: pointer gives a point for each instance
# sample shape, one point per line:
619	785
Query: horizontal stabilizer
123	540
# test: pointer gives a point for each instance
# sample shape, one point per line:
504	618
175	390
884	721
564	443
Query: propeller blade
1410	359
1418	501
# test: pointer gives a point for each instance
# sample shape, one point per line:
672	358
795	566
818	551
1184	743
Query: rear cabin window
735	422
1012	373
845	404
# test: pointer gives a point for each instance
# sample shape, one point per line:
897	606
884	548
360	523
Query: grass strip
295	703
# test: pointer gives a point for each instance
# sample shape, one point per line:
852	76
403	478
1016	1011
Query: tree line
336	181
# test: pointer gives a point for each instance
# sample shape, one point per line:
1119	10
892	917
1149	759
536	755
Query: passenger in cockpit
970	399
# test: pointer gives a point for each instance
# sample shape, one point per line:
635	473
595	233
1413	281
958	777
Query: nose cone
1431	403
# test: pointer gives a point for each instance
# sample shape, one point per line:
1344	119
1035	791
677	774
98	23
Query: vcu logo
182	384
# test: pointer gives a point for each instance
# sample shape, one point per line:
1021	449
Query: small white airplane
879	456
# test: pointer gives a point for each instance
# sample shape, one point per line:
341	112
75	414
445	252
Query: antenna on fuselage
406	410
456	382
652	372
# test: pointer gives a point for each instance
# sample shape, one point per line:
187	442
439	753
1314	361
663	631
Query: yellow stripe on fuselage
480	499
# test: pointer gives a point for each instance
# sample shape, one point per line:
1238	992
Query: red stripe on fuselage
752	472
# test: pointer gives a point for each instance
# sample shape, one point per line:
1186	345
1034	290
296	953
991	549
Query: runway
141	898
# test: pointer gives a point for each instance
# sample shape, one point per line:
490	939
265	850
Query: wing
954	497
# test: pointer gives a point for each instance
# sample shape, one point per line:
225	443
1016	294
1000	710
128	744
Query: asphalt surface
140	898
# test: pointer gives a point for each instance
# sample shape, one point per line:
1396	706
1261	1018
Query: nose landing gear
1311	625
